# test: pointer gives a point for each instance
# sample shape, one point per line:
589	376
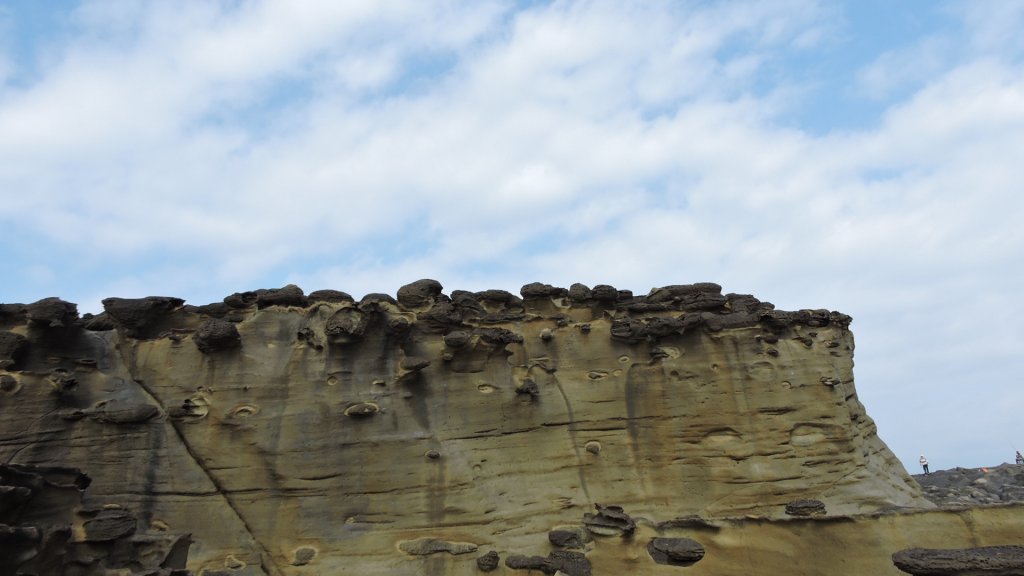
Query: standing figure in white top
924	463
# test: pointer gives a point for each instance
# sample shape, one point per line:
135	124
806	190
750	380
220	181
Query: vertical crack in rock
266	563
572	436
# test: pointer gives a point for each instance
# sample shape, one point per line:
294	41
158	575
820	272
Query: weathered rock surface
564	431
46	529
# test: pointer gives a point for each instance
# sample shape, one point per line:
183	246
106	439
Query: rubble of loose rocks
959	487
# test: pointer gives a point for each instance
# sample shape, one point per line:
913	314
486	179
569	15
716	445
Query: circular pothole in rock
243	411
9	384
362	410
485	389
333	380
594	447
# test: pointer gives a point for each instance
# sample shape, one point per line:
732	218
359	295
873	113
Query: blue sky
859	156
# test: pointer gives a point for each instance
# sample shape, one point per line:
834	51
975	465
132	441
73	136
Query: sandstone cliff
564	429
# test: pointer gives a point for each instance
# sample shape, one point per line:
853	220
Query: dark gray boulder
675	551
140	317
419	293
984	561
290	295
215	335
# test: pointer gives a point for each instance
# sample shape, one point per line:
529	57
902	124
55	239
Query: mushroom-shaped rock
52	313
806	507
984	561
604	293
290	295
135	315
419	293
215	335
675	551
536	291
579	293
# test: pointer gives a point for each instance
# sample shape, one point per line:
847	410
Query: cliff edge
293	433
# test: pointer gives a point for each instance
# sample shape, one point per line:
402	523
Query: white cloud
200	148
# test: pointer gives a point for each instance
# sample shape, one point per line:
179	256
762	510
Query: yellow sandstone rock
293	434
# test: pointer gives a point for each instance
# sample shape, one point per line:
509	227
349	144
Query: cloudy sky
865	156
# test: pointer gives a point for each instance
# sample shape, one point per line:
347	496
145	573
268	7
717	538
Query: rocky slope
960	487
576	430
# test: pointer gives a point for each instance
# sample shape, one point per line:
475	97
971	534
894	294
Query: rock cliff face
576	430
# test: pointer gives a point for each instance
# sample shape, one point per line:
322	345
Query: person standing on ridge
924	463
1020	459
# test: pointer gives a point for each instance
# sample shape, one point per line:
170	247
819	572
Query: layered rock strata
434	433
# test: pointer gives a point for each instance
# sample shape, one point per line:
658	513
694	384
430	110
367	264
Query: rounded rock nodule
216	335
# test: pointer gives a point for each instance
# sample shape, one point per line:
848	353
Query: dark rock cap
290	295
134	314
419	293
536	290
333	296
52	313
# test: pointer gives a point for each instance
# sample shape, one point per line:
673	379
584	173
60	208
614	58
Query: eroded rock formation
581	430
